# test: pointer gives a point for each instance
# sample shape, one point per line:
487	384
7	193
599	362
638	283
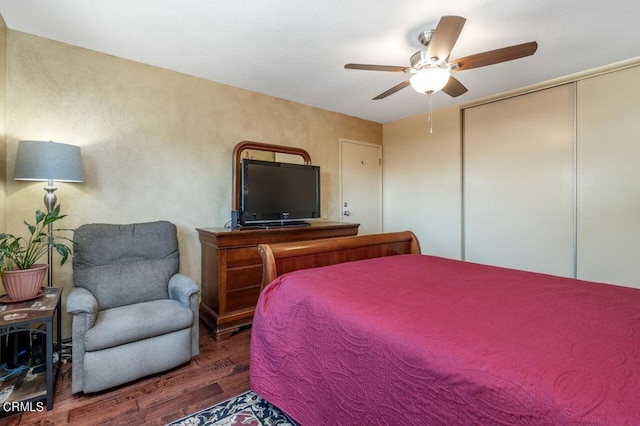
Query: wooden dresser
232	269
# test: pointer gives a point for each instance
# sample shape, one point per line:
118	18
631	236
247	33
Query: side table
31	385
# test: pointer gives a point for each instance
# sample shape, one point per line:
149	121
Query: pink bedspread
423	340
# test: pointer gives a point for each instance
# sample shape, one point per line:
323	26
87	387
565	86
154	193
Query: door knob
346	213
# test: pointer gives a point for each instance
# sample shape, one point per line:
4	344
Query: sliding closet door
609	178
519	182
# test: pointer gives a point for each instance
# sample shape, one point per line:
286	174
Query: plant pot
24	284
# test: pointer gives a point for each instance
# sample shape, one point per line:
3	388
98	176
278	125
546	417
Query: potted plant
21	276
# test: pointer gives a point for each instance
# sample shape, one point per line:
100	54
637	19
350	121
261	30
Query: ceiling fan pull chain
430	114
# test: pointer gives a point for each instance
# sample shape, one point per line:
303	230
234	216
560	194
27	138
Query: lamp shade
44	161
430	80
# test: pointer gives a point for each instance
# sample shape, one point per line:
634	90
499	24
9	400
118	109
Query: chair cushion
125	264
130	323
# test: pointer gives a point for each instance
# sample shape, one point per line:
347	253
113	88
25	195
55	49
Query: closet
518	182
608	177
551	179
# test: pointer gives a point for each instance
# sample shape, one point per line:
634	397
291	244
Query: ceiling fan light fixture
430	79
430	67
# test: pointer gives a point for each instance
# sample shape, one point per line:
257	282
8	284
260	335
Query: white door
519	182
361	185
608	156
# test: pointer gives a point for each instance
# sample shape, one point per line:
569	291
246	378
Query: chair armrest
181	288
81	301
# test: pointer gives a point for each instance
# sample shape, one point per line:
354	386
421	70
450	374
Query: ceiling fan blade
454	88
366	67
393	90
494	56
444	37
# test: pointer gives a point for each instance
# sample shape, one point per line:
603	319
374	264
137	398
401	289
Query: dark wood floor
220	372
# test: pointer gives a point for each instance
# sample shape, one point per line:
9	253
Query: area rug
245	409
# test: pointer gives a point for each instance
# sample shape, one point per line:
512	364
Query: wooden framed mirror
262	151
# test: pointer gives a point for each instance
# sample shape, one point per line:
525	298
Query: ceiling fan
431	68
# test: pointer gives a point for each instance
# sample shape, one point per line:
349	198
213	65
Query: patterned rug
245	409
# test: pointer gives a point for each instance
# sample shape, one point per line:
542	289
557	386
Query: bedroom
135	151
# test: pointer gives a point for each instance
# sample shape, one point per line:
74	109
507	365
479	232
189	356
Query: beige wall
156	144
422	180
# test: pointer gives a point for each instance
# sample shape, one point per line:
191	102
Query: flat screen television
278	194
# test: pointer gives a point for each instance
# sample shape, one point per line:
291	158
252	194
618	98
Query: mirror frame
258	146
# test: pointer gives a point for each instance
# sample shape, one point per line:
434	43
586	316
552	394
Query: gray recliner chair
133	313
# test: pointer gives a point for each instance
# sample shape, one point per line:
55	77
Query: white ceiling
296	49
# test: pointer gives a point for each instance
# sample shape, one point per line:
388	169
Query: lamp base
50	199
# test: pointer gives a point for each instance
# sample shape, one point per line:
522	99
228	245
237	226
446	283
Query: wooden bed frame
281	258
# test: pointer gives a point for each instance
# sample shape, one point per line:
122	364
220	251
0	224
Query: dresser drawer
244	277
242	256
241	299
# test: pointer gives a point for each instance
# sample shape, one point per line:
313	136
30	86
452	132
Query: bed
364	330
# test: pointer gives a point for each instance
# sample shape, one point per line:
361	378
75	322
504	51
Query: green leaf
17	252
32	228
40	215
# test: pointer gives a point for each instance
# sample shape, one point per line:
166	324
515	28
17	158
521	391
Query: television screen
279	192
